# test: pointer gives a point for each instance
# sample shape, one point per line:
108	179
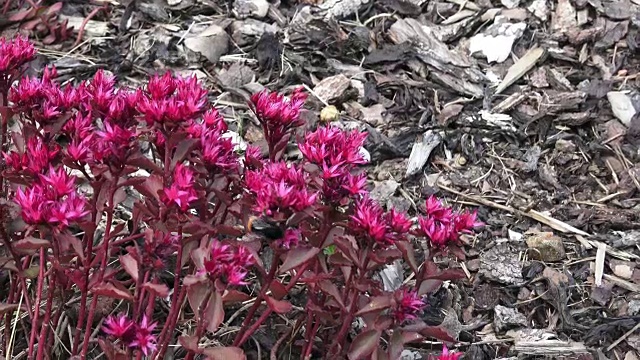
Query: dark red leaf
234	296
297	257
30	245
331	289
277	289
377	303
68	241
224	353
214	313
458	252
151	187
161	290
130	265
437	332
364	344
112	290
197	293
448	274
278	306
190	343
428	286
408	253
184	147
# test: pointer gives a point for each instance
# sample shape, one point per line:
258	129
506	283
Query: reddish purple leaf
112	290
29	245
331	289
197	292
190	343
377	303
234	296
214	313
151	187
130	265
364	344
160	290
297	257
408	253
224	353
278	290
278	306
68	241
437	332
184	147
428	286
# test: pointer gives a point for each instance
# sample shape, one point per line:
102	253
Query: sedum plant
248	230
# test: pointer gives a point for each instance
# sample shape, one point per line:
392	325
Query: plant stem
175	306
42	342
265	287
36	315
101	271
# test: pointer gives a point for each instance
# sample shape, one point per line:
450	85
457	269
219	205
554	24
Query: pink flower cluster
217	151
229	263
383	228
133	335
277	113
408	305
336	153
14	54
51	199
279	188
181	192
170	100
446	355
442	225
34	160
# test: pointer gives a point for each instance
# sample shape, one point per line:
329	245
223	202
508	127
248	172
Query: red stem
42	342
36	314
265	287
175	306
102	270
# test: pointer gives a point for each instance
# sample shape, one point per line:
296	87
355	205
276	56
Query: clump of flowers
278	116
14	54
51	199
408	305
228	263
134	335
443	226
194	197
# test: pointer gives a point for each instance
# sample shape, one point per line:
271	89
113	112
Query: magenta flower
13	54
58	183
291	239
142	338
120	327
181	192
33	205
279	188
332	146
170	99
133	335
69	210
35	160
443	226
368	220
408	305
113	143
278	114
446	355
229	264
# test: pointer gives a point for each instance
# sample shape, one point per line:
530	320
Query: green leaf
329	250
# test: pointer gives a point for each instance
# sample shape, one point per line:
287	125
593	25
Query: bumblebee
265	227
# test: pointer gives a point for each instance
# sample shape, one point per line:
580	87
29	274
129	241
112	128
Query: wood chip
521	67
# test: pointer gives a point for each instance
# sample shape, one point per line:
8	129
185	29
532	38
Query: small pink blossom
228	263
120	327
181	192
278	114
446	355
142	337
408	305
14	54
